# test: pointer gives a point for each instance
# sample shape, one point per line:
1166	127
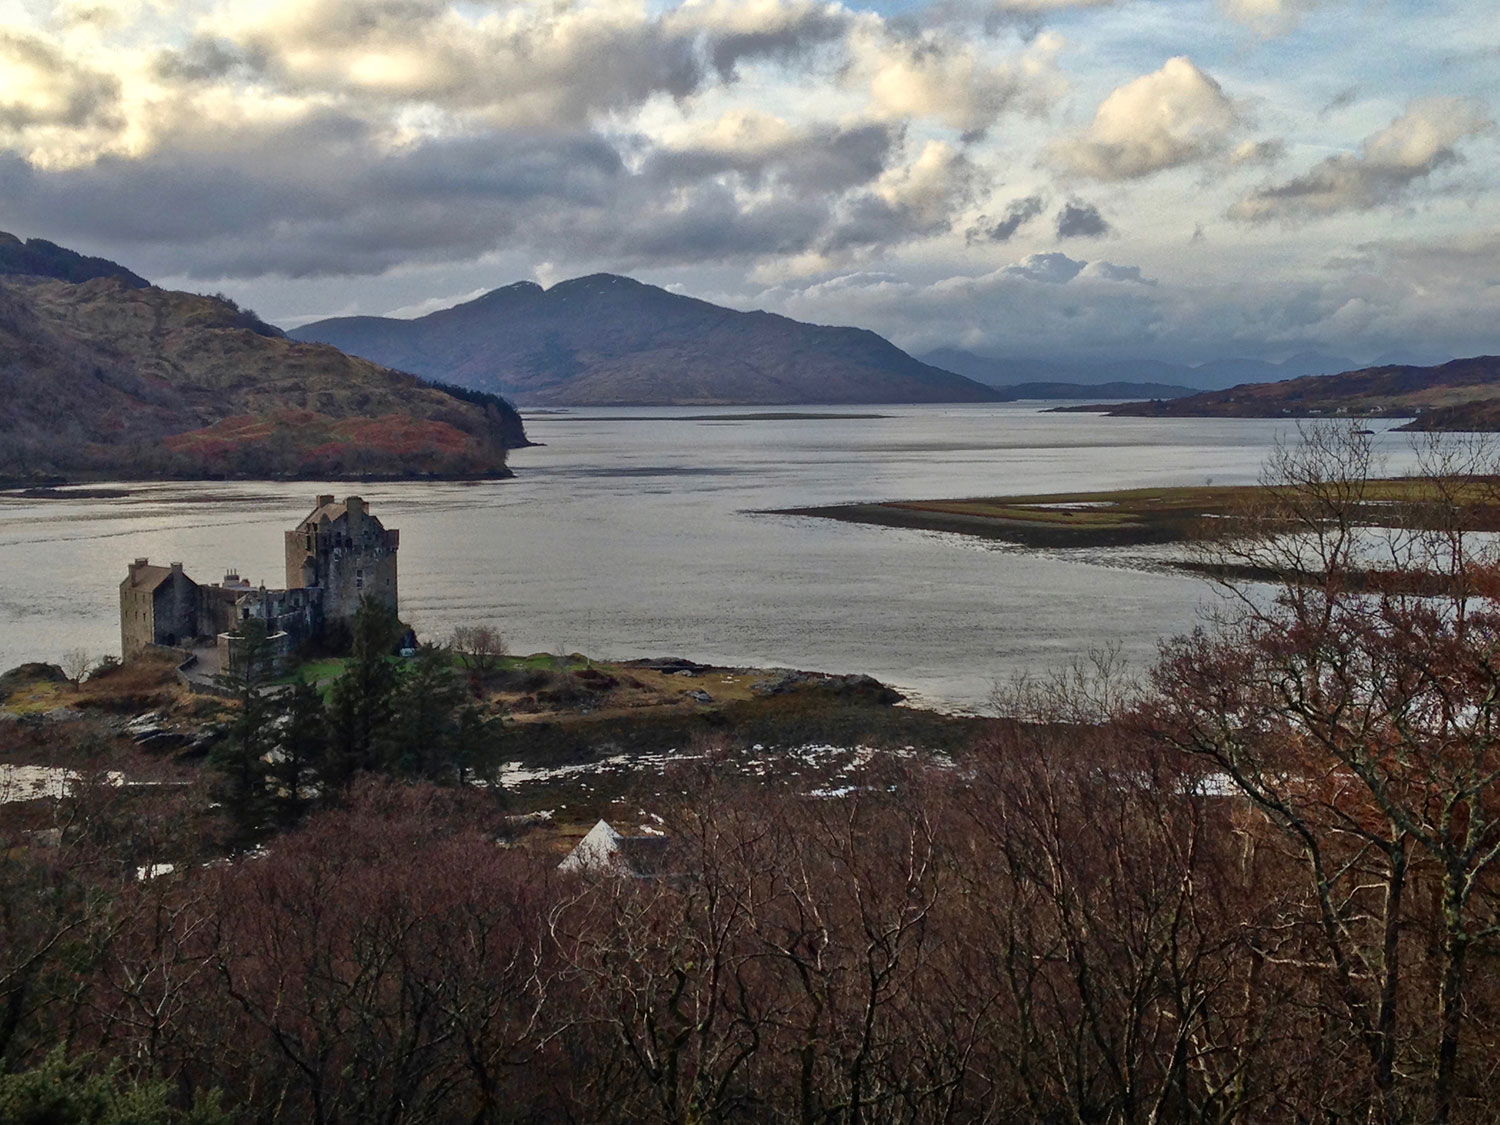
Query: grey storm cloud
545	68
822	158
207	58
1018	213
810	27
325	198
1081	220
1108	271
347	137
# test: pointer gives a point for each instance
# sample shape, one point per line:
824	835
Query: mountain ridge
609	340
36	257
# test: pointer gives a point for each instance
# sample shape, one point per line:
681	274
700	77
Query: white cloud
1388	163
1265	152
941	77
1174	116
931	187
1054	268
1269	17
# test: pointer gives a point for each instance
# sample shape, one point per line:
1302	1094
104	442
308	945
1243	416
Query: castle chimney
177	567
324	501
135	566
355	505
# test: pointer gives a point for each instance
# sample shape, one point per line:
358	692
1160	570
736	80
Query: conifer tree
427	720
361	700
303	747
241	757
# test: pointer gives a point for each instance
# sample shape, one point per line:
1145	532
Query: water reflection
633	532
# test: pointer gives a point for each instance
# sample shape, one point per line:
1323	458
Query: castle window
359	579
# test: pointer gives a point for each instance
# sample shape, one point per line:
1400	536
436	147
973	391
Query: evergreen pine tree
303	747
240	757
361	700
423	738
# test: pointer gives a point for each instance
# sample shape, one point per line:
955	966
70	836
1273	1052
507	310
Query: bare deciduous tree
75	664
1358	709
479	648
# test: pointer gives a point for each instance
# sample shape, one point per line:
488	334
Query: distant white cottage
604	851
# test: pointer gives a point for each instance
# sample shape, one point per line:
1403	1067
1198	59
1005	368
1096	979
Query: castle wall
295	613
175	610
278	653
137	620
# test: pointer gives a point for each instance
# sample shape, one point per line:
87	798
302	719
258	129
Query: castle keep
336	557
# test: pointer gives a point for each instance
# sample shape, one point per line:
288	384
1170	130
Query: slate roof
147	577
330	512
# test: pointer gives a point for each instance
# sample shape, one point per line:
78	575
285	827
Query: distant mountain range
1098	391
1181	378
105	374
605	340
1462	395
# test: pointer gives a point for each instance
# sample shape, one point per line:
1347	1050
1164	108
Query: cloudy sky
1183	179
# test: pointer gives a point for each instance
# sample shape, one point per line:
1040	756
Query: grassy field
1131	517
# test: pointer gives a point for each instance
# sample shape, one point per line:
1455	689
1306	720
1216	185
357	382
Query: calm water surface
633	532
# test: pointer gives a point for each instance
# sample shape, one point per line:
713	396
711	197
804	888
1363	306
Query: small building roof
604	851
144	576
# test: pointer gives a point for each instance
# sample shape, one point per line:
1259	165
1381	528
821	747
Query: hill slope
607	340
114	377
1215	374
1463	394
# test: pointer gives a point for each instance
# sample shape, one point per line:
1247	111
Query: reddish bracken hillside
113	377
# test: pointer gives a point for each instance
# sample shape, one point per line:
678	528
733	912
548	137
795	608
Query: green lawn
316	671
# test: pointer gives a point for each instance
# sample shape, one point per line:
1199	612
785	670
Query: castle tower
345	552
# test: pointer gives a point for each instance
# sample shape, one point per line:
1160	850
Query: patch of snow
30	783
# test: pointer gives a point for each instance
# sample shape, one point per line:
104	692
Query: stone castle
335	558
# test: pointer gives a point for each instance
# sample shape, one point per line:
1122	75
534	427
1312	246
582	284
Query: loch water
639	532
